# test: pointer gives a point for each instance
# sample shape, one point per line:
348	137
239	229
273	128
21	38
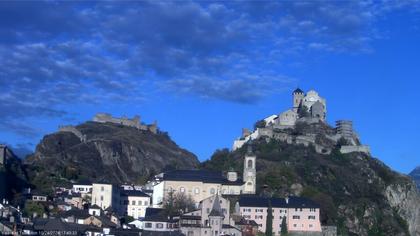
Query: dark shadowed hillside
13	177
110	152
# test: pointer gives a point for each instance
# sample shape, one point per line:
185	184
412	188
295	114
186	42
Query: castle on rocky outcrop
309	108
134	122
107	118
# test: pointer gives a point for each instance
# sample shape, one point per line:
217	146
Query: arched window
249	163
212	191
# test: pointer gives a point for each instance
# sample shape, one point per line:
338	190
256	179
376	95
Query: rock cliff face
415	174
357	193
111	153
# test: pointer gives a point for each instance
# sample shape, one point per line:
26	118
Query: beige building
134	203
105	195
202	184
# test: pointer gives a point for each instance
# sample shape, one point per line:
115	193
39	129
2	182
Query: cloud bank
53	53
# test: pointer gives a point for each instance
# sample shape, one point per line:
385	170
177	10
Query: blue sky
204	70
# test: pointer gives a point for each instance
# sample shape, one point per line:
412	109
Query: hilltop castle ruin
134	122
107	118
309	108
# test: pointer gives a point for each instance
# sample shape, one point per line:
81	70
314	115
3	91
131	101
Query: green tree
178	203
284	230
32	208
269	221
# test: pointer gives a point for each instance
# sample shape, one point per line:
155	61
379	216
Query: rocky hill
104	152
415	174
13	178
358	193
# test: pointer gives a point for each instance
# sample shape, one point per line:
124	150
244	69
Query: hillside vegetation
354	190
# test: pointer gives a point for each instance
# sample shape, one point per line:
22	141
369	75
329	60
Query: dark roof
76	213
95	207
161	233
293	202
298	90
136	193
125	232
190	217
200	176
156	215
52	225
243	221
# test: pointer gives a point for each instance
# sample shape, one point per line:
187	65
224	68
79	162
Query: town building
211	218
106	195
134	203
301	215
202	184
156	220
83	187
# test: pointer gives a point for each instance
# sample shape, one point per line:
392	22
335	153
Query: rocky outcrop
110	152
405	199
357	192
415	175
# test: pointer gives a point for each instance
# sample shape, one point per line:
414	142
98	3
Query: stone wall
72	129
133	122
349	149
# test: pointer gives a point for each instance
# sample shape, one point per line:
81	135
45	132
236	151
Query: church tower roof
216	209
298	90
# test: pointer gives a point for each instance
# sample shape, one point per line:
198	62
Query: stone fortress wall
133	122
288	119
107	118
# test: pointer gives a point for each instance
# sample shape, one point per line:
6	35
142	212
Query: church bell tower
250	173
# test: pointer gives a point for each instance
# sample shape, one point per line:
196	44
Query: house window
159	226
296	217
311	217
148	225
133	203
146	203
102	198
196	190
102	188
182	189
140	202
212	191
